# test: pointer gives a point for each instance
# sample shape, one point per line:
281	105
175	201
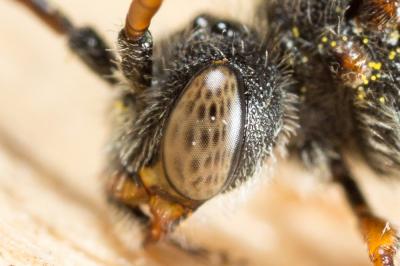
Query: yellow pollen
365	80
296	32
375	65
333	43
365	41
392	55
373	78
344	38
361	95
382	100
324	39
394	36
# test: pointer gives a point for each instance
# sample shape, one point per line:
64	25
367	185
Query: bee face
212	113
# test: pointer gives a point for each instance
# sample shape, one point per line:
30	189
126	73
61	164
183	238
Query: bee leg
83	41
381	237
128	191
166	215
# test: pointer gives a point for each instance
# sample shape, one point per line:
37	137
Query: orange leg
165	214
124	189
381	237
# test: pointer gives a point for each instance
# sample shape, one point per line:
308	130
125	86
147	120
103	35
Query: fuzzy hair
269	107
379	125
372	122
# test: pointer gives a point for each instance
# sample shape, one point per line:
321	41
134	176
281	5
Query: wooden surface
53	127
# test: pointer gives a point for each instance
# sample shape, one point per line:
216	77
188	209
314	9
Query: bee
201	111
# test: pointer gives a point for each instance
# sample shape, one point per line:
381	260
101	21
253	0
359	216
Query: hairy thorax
344	56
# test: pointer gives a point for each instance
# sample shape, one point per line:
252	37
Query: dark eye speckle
213	111
201	112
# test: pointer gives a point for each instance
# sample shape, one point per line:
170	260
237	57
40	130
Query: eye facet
204	134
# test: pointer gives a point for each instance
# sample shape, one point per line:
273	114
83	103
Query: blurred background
53	130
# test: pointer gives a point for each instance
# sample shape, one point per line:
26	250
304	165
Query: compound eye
204	134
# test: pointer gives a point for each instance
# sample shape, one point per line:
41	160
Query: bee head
212	113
